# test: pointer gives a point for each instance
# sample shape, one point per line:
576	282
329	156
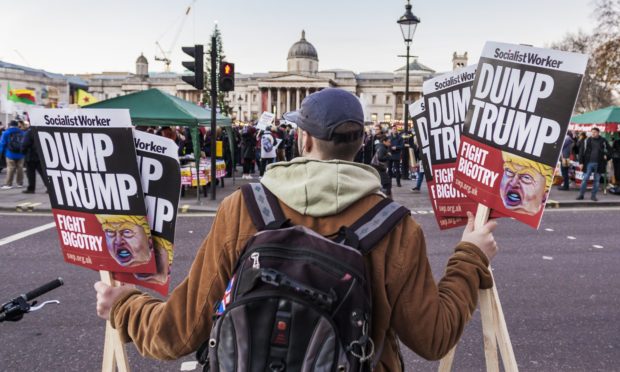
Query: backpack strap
379	221
263	206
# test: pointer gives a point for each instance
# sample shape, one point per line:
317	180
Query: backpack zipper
319	258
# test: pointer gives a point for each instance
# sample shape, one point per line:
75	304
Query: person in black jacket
33	163
593	155
248	150
615	157
381	162
396	147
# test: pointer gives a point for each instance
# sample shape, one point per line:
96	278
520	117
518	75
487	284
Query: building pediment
295	78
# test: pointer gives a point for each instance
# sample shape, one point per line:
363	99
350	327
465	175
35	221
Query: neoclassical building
113	84
382	93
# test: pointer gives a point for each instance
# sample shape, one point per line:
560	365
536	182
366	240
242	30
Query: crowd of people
384	147
18	150
387	148
593	154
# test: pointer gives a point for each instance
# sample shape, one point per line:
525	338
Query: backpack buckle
270	276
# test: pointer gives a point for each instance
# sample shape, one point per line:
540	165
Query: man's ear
309	143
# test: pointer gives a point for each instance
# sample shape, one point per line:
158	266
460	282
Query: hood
321	188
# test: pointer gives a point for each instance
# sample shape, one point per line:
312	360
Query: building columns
269	100
250	105
288	99
278	103
297	94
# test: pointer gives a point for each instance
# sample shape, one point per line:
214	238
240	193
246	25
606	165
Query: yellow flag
84	98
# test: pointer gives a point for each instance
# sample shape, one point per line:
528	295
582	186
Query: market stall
607	120
153	107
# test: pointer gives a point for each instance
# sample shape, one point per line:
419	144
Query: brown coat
407	303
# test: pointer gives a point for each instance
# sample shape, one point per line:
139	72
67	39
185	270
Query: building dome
142	59
142	67
303	49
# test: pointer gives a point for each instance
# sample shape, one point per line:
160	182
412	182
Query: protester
2	154
323	190
615	157
248	144
578	147
420	169
593	157
33	163
267	144
10	145
396	149
565	160
381	163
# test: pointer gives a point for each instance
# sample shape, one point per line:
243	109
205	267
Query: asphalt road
559	288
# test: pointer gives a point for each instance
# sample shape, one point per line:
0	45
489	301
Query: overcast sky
80	36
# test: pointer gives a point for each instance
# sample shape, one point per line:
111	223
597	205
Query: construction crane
165	55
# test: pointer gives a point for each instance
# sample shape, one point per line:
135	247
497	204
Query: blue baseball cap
324	111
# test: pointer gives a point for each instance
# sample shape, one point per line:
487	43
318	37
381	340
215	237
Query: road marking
598	246
548	229
184	208
189	366
553	203
31	214
421	211
547	258
23	234
571	237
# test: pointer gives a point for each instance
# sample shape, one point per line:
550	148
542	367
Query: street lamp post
408	23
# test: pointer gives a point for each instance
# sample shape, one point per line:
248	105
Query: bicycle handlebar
16	308
43	289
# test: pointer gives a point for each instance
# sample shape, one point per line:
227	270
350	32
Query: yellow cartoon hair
106	219
165	244
545	170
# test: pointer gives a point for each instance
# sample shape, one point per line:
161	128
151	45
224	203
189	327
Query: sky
86	36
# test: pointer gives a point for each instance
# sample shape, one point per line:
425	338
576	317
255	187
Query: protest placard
161	181
265	120
420	126
88	161
522	101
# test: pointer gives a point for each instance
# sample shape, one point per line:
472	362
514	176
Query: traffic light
196	66
227	76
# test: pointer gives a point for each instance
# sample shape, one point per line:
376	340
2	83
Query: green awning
607	115
156	108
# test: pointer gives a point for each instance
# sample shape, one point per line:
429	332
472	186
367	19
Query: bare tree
602	78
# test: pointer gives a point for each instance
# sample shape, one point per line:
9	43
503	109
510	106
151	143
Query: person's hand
106	296
481	237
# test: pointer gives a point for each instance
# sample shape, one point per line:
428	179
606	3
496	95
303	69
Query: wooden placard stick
114	354
503	338
493	322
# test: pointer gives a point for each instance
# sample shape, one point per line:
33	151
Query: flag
84	98
21	95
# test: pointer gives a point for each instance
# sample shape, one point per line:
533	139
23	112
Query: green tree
219	48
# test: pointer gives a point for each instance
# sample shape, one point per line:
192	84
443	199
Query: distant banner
522	102
161	181
265	120
94	186
446	99
420	126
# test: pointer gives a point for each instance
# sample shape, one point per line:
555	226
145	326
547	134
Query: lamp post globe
408	23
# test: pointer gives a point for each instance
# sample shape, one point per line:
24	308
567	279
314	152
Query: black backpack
15	142
298	301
